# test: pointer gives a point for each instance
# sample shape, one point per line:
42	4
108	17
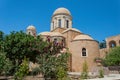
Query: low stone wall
6	78
26	78
111	70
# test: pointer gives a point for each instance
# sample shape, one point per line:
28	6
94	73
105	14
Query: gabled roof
73	29
50	34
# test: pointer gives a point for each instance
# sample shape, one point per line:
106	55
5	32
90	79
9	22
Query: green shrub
35	71
84	74
101	73
61	73
22	71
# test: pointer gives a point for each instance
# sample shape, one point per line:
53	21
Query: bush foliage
20	47
113	57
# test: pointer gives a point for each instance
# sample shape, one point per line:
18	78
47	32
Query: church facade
81	46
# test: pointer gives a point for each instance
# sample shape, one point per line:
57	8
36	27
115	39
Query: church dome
31	27
83	37
45	33
61	11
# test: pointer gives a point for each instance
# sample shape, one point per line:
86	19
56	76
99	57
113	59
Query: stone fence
26	78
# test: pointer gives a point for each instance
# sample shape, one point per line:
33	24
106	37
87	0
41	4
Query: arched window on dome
84	52
59	23
112	44
67	23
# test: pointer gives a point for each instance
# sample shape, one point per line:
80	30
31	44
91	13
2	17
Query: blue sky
98	18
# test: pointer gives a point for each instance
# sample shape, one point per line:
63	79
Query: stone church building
81	46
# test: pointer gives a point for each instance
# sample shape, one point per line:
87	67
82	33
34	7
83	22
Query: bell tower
31	30
61	18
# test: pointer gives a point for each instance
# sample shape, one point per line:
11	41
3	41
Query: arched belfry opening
67	23
61	18
112	44
59	23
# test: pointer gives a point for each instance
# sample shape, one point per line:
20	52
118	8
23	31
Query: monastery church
81	46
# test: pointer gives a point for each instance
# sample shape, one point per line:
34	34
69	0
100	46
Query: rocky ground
108	77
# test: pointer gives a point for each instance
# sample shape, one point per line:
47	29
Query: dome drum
62	16
61	19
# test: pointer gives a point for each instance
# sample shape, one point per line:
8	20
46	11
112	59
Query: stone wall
92	51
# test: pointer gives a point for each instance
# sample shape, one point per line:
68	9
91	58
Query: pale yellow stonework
76	41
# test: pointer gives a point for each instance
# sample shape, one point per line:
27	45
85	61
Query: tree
102	44
113	57
52	61
18	45
1	40
1	36
5	64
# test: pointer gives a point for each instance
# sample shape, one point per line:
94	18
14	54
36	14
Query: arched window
67	23
63	42
29	33
55	41
112	44
59	23
84	52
